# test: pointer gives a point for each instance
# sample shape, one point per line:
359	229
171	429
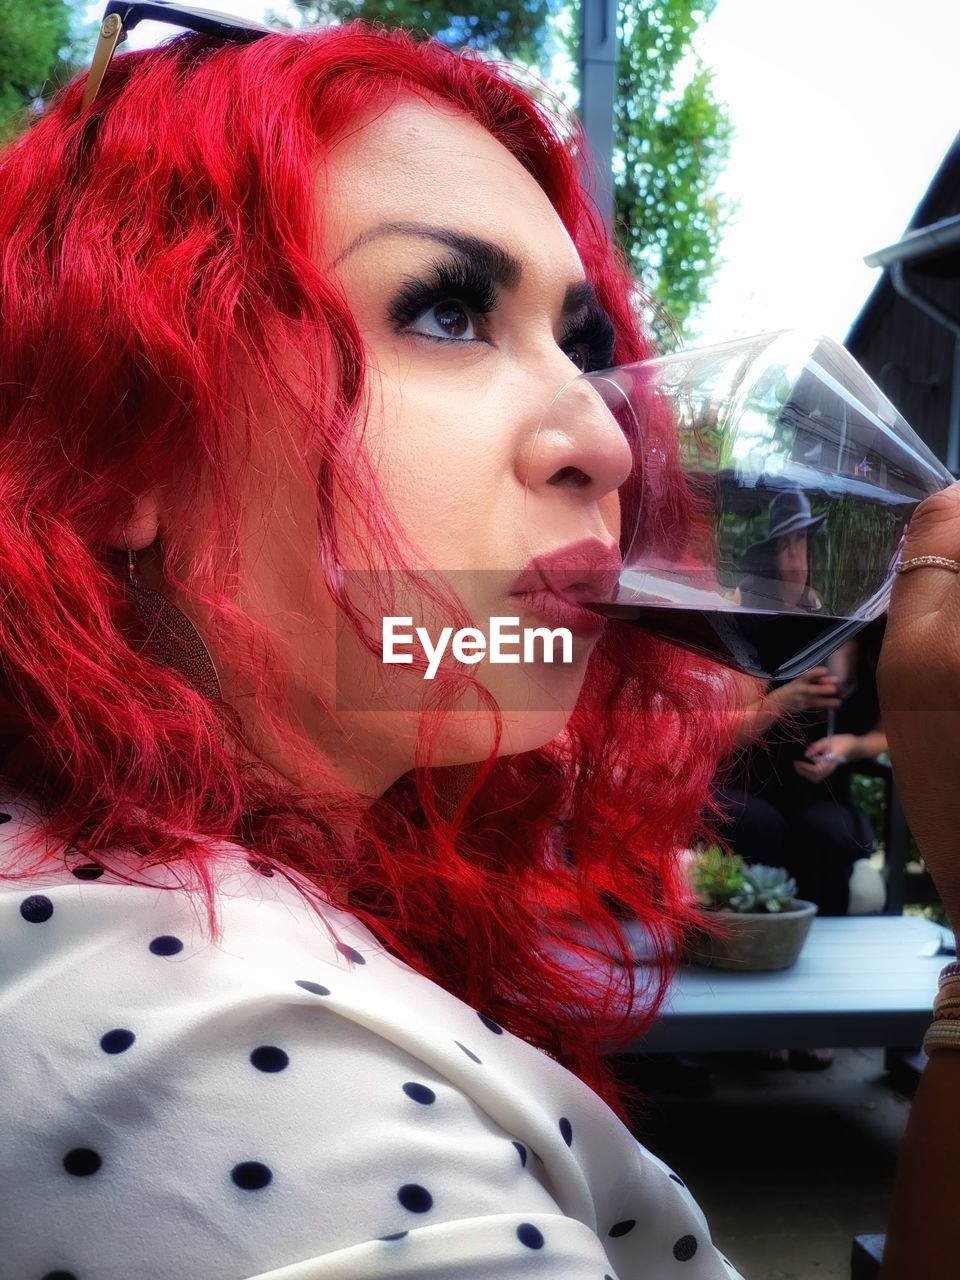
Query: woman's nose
577	445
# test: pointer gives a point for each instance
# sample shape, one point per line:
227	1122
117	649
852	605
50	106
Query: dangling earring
170	637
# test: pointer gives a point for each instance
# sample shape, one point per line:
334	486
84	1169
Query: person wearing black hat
787	801
778	567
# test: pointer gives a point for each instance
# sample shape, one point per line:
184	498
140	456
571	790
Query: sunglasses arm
111	33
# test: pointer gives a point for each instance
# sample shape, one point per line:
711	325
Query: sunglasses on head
121	16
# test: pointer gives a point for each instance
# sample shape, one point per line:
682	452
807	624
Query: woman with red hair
279	319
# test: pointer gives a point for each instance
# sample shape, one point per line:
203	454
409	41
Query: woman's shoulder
237	932
285	1064
231	900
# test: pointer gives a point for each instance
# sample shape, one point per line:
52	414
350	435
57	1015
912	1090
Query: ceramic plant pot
755	941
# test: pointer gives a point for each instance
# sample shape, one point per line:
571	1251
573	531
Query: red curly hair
145	248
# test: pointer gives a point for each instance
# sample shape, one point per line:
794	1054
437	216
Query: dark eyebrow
503	267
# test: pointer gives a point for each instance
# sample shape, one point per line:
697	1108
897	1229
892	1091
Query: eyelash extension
458	279
465	280
594	331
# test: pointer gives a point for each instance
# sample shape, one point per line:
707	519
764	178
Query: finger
815	772
934	530
815	679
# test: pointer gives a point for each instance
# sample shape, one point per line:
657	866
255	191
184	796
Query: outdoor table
860	981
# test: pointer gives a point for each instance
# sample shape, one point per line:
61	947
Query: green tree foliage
34	43
672	136
672	142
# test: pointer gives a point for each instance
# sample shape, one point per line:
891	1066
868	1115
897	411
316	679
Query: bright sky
843	109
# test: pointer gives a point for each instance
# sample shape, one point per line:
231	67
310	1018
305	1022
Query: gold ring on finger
931	562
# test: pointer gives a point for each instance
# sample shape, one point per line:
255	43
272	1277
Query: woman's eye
590	343
581	355
448	319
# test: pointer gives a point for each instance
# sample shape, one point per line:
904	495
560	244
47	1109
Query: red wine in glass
758	642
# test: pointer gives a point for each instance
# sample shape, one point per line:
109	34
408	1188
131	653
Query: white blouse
289	1102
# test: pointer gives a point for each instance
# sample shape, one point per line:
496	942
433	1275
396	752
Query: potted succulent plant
762	923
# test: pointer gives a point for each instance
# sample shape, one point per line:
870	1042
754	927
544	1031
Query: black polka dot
678	1181
397	1235
267	1057
118	1040
351	953
415	1198
522	1152
166	945
685	1248
81	1162
469	1054
489	1023
419	1092
314	988
59	1275
566	1130
36	909
621	1228
251	1175
89	871
4	817
528	1234
261	868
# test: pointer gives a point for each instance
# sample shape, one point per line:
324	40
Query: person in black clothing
787	799
787	796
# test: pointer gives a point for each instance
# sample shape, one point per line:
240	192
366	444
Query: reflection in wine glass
792	477
777	568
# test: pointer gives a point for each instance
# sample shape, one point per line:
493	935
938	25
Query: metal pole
598	87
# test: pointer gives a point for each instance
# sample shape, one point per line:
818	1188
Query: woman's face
793	567
474	310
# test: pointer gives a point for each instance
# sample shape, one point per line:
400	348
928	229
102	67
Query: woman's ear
141	528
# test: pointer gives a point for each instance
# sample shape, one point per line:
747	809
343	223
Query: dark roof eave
921	215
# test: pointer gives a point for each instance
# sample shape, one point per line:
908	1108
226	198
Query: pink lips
553	584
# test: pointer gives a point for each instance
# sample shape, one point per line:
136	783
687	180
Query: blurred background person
786	792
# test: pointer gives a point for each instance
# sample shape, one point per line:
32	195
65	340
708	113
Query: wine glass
771	485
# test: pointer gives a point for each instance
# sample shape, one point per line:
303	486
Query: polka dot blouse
289	1102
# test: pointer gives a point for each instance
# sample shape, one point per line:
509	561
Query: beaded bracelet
944	1031
942	1035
